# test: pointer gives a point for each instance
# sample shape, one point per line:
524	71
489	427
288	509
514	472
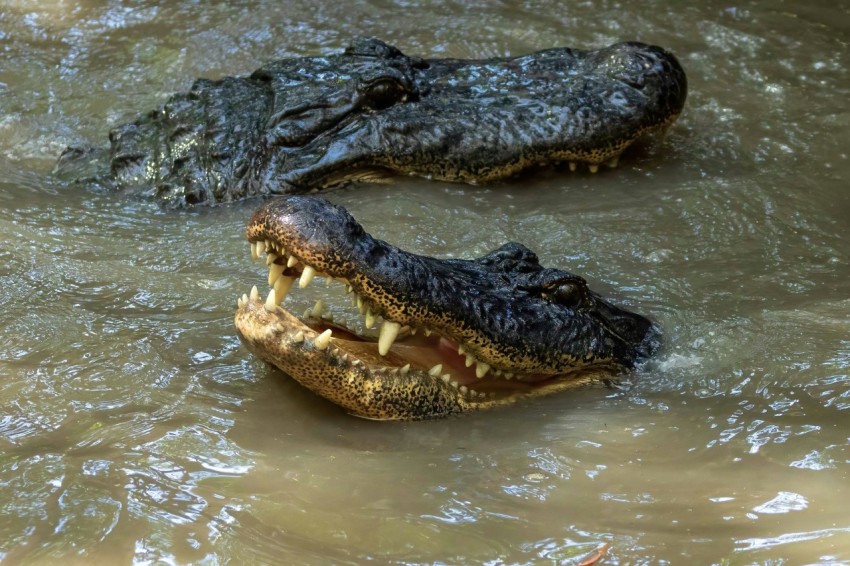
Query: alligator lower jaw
347	369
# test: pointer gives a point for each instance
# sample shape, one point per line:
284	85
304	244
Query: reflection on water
134	427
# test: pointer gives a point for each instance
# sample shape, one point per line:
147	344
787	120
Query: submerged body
303	124
455	335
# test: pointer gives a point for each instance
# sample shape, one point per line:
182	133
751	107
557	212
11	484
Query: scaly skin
304	124
522	329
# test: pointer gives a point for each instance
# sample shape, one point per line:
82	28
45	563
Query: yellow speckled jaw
408	382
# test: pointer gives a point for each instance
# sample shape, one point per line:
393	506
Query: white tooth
498	372
349	288
261	247
328	280
481	370
255	294
329	316
275	271
270	258
469	360
323	340
454	384
282	287
389	332
593	167
270	304
435	371
464	389
306	276
291	261
244	298
238	302
253	250
460	350
573	166
427	332
318	309
361	306
509	375
405	369
613	162
299	336
307	314
370	319
446	378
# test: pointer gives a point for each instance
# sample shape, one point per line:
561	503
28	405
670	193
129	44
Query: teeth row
323	342
594	167
282	284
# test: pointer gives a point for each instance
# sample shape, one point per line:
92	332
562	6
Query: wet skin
455	335
305	124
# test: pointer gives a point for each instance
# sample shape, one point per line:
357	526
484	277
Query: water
135	428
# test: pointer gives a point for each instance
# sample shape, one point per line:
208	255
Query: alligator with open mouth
455	335
303	124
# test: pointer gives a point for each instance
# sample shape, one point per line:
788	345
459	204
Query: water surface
135	428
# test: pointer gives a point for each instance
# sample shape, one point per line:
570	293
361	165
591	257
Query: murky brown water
134	427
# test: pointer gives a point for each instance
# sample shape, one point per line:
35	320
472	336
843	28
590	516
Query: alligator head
455	335
303	124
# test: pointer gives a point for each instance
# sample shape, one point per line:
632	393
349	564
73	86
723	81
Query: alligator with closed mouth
455	335
303	124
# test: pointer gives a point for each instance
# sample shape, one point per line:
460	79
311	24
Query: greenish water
135	428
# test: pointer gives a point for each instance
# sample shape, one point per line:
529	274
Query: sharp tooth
275	271
435	371
370	319
594	167
469	360
349	288
328	280
306	276
509	375
238	302
270	304
244	298
613	162
498	372
253	250
427	332
282	287
413	331
254	293
270	258
464	390
291	261
460	350
318	309
454	384
573	166
405	369
446	378
481	370
389	332
299	336
261	247
307	313
323	340
361	306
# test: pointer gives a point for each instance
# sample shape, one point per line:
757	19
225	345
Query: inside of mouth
378	342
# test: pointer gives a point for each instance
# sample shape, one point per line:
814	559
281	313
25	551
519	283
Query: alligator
303	124
455	335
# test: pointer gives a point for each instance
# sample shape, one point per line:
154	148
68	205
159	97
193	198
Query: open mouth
374	341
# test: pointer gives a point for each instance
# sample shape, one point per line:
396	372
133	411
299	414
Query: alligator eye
383	94
569	294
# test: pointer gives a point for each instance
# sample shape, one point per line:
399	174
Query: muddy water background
133	426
